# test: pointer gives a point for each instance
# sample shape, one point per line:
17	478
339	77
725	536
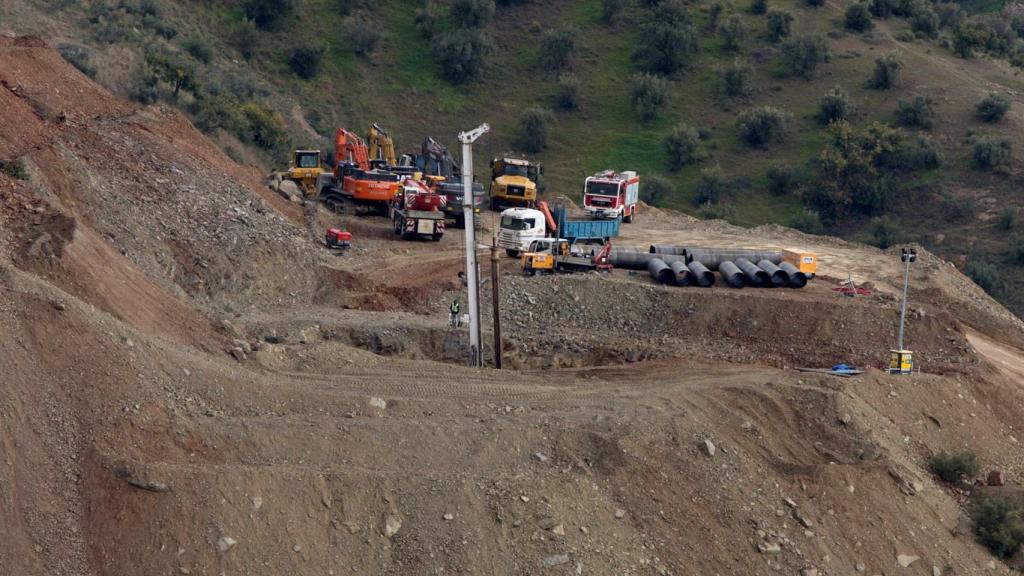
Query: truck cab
519	228
514	182
612	195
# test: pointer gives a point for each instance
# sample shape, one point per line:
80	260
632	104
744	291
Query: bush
267	14
144	86
917	112
833	106
462	54
733	33
305	61
533	129
858	18
715	12
998	525
427	20
886	73
344	7
1016	251
759	126
950	467
266	128
667	41
199	48
362	37
734	79
758	6
14	169
925	23
567	95
983	273
815	3
990	152
854	170
681	146
1008	218
957	208
610	9
780	25
782	178
882	8
992	108
557	48
884	233
650	94
802	55
716	211
472	13
809	222
950	15
655	189
710	186
78	56
211	112
244	38
919	154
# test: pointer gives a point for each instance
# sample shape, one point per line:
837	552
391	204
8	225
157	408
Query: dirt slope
350	440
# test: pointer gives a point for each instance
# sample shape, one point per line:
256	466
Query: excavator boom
382	146
349	148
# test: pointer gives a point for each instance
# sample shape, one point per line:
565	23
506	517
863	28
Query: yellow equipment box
806	262
901	362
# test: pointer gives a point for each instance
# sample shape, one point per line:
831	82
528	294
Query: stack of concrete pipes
689	266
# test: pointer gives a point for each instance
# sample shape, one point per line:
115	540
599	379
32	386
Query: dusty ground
644	429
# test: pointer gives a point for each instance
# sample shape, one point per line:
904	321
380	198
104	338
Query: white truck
611	194
519	228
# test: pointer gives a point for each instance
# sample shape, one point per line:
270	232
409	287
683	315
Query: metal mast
476	357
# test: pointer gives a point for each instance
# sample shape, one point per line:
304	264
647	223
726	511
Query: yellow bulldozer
304	169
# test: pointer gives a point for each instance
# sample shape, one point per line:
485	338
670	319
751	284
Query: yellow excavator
304	169
381	147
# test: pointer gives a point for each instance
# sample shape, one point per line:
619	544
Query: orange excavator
354	181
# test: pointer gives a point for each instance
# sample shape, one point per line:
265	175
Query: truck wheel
436	237
511	253
628	219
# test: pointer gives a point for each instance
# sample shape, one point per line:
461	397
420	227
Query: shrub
925	23
199	48
834	105
967	36
990	152
462	54
267	14
681	146
710	186
918	154
1018	25
533	129
853	170
733	33
950	15
782	178
557	48
950	467
758	6
567	95
715	12
244	38
610	9
916	112
650	94
716	211
809	222
997	525
886	72
759	126
734	79
305	61
884	233
1016	251
14	169
992	107
802	55
78	56
362	37
858	18
266	128
144	86
780	25
344	7
667	40
957	208
983	273
815	3
1007	218
472	13
427	20
655	189
882	8
211	112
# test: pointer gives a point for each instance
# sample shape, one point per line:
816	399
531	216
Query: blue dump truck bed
578	230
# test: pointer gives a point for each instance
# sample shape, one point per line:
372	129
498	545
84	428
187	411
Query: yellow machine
548	255
304	169
901	362
806	262
514	182
381	146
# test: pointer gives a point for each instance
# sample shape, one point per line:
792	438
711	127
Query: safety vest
455	307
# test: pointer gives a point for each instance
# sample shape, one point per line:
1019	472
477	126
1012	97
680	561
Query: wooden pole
494	303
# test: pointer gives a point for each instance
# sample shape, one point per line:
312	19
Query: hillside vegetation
886	121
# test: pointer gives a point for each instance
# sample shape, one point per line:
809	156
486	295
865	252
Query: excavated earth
193	384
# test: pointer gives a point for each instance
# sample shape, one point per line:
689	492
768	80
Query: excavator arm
381	145
349	148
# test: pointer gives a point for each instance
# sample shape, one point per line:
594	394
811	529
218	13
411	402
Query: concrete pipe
712	258
797	279
757	276
638	260
732	275
779	277
682	273
625	249
660	271
701	275
663	249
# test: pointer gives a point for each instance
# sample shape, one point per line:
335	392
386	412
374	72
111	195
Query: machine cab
306	159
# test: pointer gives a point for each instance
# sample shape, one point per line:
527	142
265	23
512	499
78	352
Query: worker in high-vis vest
453	316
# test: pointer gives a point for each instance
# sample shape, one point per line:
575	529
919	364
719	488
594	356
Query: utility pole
494	303
476	358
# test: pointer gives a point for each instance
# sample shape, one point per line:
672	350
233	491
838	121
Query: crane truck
514	182
612	194
417	211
